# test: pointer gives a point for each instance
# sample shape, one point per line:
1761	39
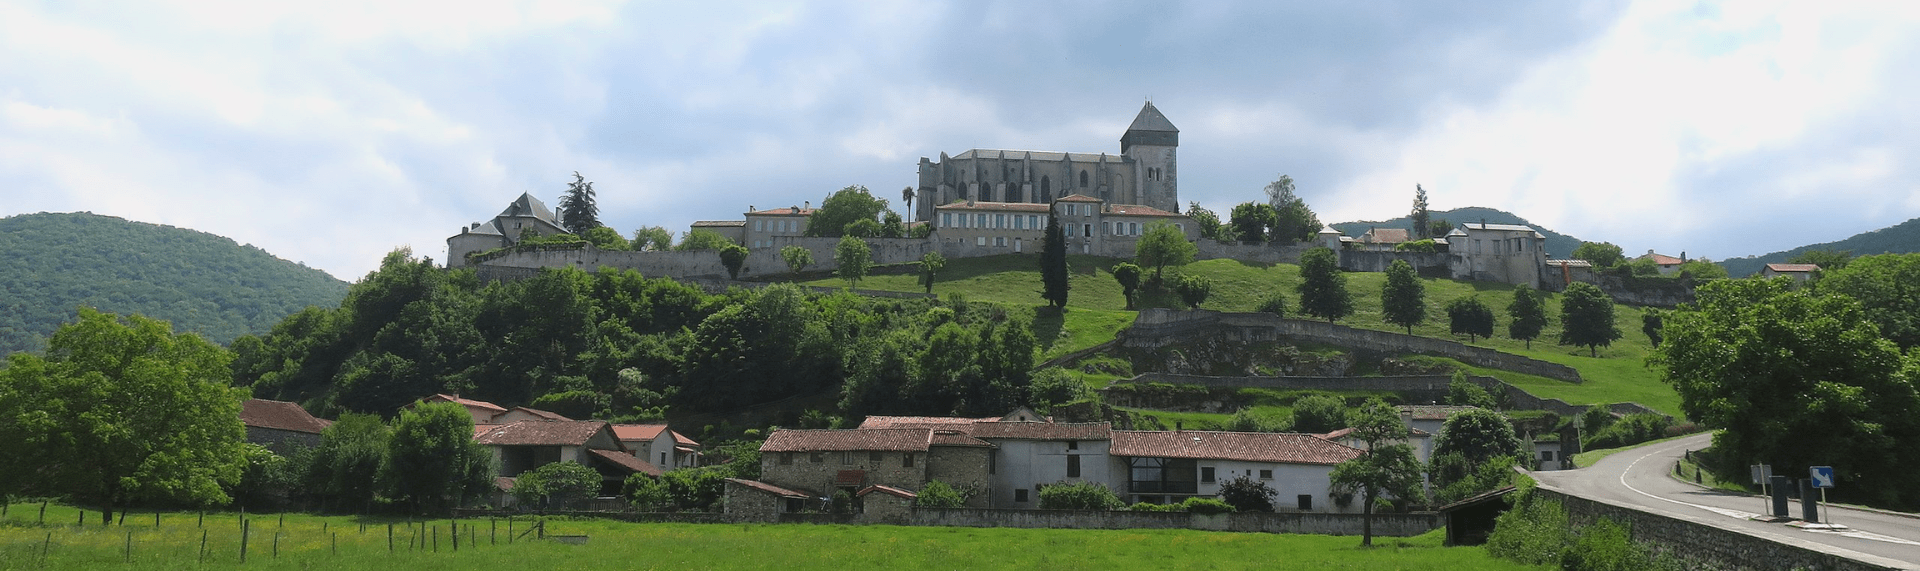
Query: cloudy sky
333	132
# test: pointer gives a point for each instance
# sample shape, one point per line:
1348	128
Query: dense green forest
1902	238
616	345
1558	245
52	263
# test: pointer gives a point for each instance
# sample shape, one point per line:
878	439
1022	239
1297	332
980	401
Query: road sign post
1822	477
1762	474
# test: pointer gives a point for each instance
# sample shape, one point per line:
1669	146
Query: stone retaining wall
1414	388
1705	546
1159	327
1384	525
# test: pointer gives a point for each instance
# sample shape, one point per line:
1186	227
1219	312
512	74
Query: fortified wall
1161	327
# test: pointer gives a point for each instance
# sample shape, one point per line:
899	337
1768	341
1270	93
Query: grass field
1096	310
308	542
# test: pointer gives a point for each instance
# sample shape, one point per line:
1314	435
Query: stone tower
1150	144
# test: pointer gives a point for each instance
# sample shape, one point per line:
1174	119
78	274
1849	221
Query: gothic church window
1046	189
1083	179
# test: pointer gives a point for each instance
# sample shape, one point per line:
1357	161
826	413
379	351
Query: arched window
1083	179
1046	189
1013	192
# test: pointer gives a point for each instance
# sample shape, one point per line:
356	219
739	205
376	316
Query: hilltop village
987	202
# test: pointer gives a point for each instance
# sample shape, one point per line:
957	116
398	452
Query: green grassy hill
1096	311
1900	238
52	263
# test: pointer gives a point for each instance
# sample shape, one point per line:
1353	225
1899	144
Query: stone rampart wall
1705	546
1415	388
1268	253
1433	265
1386	524
1160	327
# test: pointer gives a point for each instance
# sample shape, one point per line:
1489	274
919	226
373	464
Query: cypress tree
1053	265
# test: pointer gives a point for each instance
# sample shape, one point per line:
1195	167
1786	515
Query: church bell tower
1151	143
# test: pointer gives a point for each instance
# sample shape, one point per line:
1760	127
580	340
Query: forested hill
1559	245
52	263
1902	238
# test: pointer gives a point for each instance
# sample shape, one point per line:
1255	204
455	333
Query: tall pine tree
1422	220
1053	265
578	213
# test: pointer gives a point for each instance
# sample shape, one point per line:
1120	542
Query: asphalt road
1639	478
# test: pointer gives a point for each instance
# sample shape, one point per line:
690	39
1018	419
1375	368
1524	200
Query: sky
331	133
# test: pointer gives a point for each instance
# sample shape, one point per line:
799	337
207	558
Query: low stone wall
1385	525
1415	388
1159	327
1267	253
1705	546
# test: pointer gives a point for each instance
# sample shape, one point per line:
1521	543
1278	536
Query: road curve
1640	478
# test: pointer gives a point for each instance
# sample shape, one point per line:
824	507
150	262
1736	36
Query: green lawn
1096	310
614	545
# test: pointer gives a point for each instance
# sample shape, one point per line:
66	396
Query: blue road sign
1822	476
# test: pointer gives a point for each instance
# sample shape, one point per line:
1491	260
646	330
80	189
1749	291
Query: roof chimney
809	204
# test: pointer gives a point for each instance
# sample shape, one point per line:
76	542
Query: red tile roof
479	429
632	432
542	433
539	413
625	461
1078	198
1385	236
279	415
1042	430
1791	268
957	438
882	439
1662	259
768	488
782	211
682	440
1282	448
888	490
465	402
1138	210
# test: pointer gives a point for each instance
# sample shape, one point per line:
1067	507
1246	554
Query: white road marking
1737	514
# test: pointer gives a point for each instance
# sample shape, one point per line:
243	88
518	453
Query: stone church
1143	173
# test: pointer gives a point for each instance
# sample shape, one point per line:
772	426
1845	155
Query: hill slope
1559	245
1900	238
52	263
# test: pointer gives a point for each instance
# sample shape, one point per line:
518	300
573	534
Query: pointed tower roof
1150	127
527	205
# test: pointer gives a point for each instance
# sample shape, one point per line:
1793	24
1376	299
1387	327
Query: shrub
1152	507
1206	506
1275	304
938	494
1319	414
1534	532
1603	546
842	501
1247	421
1247	494
1465	392
648	493
558	482
1055	386
1634	429
1079	496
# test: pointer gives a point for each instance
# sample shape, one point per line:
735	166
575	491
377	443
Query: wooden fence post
43	512
246	531
389	538
128	557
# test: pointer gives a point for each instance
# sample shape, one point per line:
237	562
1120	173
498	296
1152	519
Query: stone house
658	445
481	411
886	504
522	216
1031	455
519	413
762	226
1506	253
280	426
1382	239
1090	225
1799	272
821	462
1170	466
748	500
528	444
1667	264
1014	226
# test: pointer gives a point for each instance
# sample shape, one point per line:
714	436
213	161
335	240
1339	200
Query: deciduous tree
651	239
797	259
1888	287
733	256
432	460
120	410
1795	379
1129	277
843	207
1403	299
854	257
1250	221
1319	414
1529	314
930	265
1586	318
1193	290
1386	466
1207	221
1293	221
1828	260
1471	316
1323	288
701	239
556	483
1601	254
1163	245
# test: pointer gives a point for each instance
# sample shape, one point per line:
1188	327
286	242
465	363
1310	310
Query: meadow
314	542
1096	310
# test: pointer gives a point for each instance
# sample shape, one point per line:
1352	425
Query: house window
818	458
980	220
946	220
1073	465
1087	229
846	458
1106	228
873	456
1020	496
663	458
759	225
1133	228
979	240
1073	445
1000	241
993	462
1546	455
999	221
786	458
1266	474
1206	474
906	460
1306	502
